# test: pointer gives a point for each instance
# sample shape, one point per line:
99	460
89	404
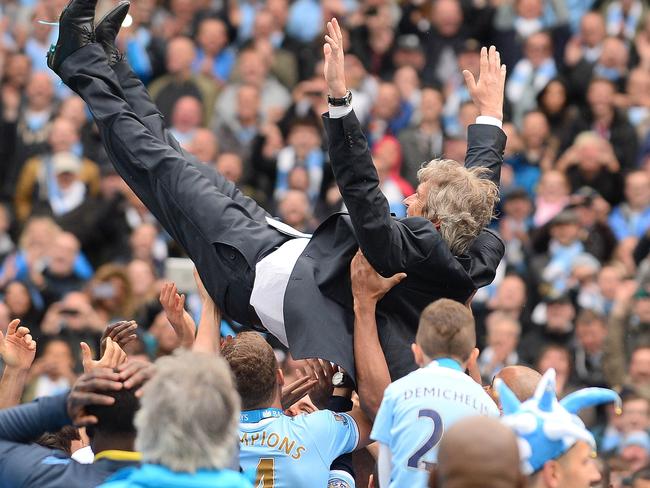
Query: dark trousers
222	231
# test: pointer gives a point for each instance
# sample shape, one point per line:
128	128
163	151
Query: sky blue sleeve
384	419
334	433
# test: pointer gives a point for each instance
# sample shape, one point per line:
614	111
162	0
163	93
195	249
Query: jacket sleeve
385	242
485	146
21	462
26	422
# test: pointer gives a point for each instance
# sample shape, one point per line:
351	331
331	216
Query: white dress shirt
273	272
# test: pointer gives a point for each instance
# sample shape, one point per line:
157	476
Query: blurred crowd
240	85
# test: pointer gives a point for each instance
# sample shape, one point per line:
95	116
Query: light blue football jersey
415	412
294	452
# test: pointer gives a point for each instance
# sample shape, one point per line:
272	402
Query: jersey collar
255	416
446	363
117	455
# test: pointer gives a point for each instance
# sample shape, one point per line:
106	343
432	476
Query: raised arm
17	350
368	287
379	235
486	140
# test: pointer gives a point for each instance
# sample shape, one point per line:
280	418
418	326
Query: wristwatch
340	102
342	380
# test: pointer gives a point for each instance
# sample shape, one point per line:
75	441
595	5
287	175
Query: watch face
337	378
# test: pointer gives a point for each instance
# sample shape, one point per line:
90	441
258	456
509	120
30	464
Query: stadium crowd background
241	87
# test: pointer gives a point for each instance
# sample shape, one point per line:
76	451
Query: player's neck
446	361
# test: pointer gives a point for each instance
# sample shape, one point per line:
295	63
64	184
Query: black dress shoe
106	31
76	30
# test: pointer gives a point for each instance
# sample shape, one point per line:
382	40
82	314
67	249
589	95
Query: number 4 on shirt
265	477
416	461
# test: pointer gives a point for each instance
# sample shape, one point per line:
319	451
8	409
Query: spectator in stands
514	226
236	134
53	370
423	142
537	154
294	210
603	118
186	118
214	58
387	157
591	332
553	101
25	133
634	417
557	328
552	196
531	74
37	180
390	114
632	217
282	62
180	81
503	334
204	145
59	276
253	69
447	34
304	150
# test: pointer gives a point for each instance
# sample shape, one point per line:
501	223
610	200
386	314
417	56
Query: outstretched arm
368	287
17	350
379	236
486	140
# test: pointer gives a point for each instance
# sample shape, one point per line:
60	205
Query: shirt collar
117	455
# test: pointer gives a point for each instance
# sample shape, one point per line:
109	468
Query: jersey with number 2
415	412
296	452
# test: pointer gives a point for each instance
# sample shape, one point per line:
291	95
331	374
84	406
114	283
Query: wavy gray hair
460	199
189	413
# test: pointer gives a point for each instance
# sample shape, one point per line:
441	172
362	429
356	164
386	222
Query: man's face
559	315
577	468
600	96
636	415
637	189
640	367
415	203
565	233
591	336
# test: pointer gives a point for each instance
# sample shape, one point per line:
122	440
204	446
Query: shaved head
522	380
490	457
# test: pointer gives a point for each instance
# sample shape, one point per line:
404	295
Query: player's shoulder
323	418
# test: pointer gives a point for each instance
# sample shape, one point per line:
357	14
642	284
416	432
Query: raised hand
121	332
17	349
174	306
296	390
113	356
367	284
136	374
322	371
334	68
488	92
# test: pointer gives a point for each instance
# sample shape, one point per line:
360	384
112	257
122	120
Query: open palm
17	348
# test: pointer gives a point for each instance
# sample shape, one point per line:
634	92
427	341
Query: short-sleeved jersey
294	452
415	412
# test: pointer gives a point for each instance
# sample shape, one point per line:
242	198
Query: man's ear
550	474
279	376
418	355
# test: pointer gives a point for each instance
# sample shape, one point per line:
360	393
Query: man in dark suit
262	273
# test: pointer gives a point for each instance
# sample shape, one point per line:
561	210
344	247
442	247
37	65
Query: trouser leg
194	212
137	96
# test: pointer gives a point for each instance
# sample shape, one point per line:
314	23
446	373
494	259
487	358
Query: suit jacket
321	276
